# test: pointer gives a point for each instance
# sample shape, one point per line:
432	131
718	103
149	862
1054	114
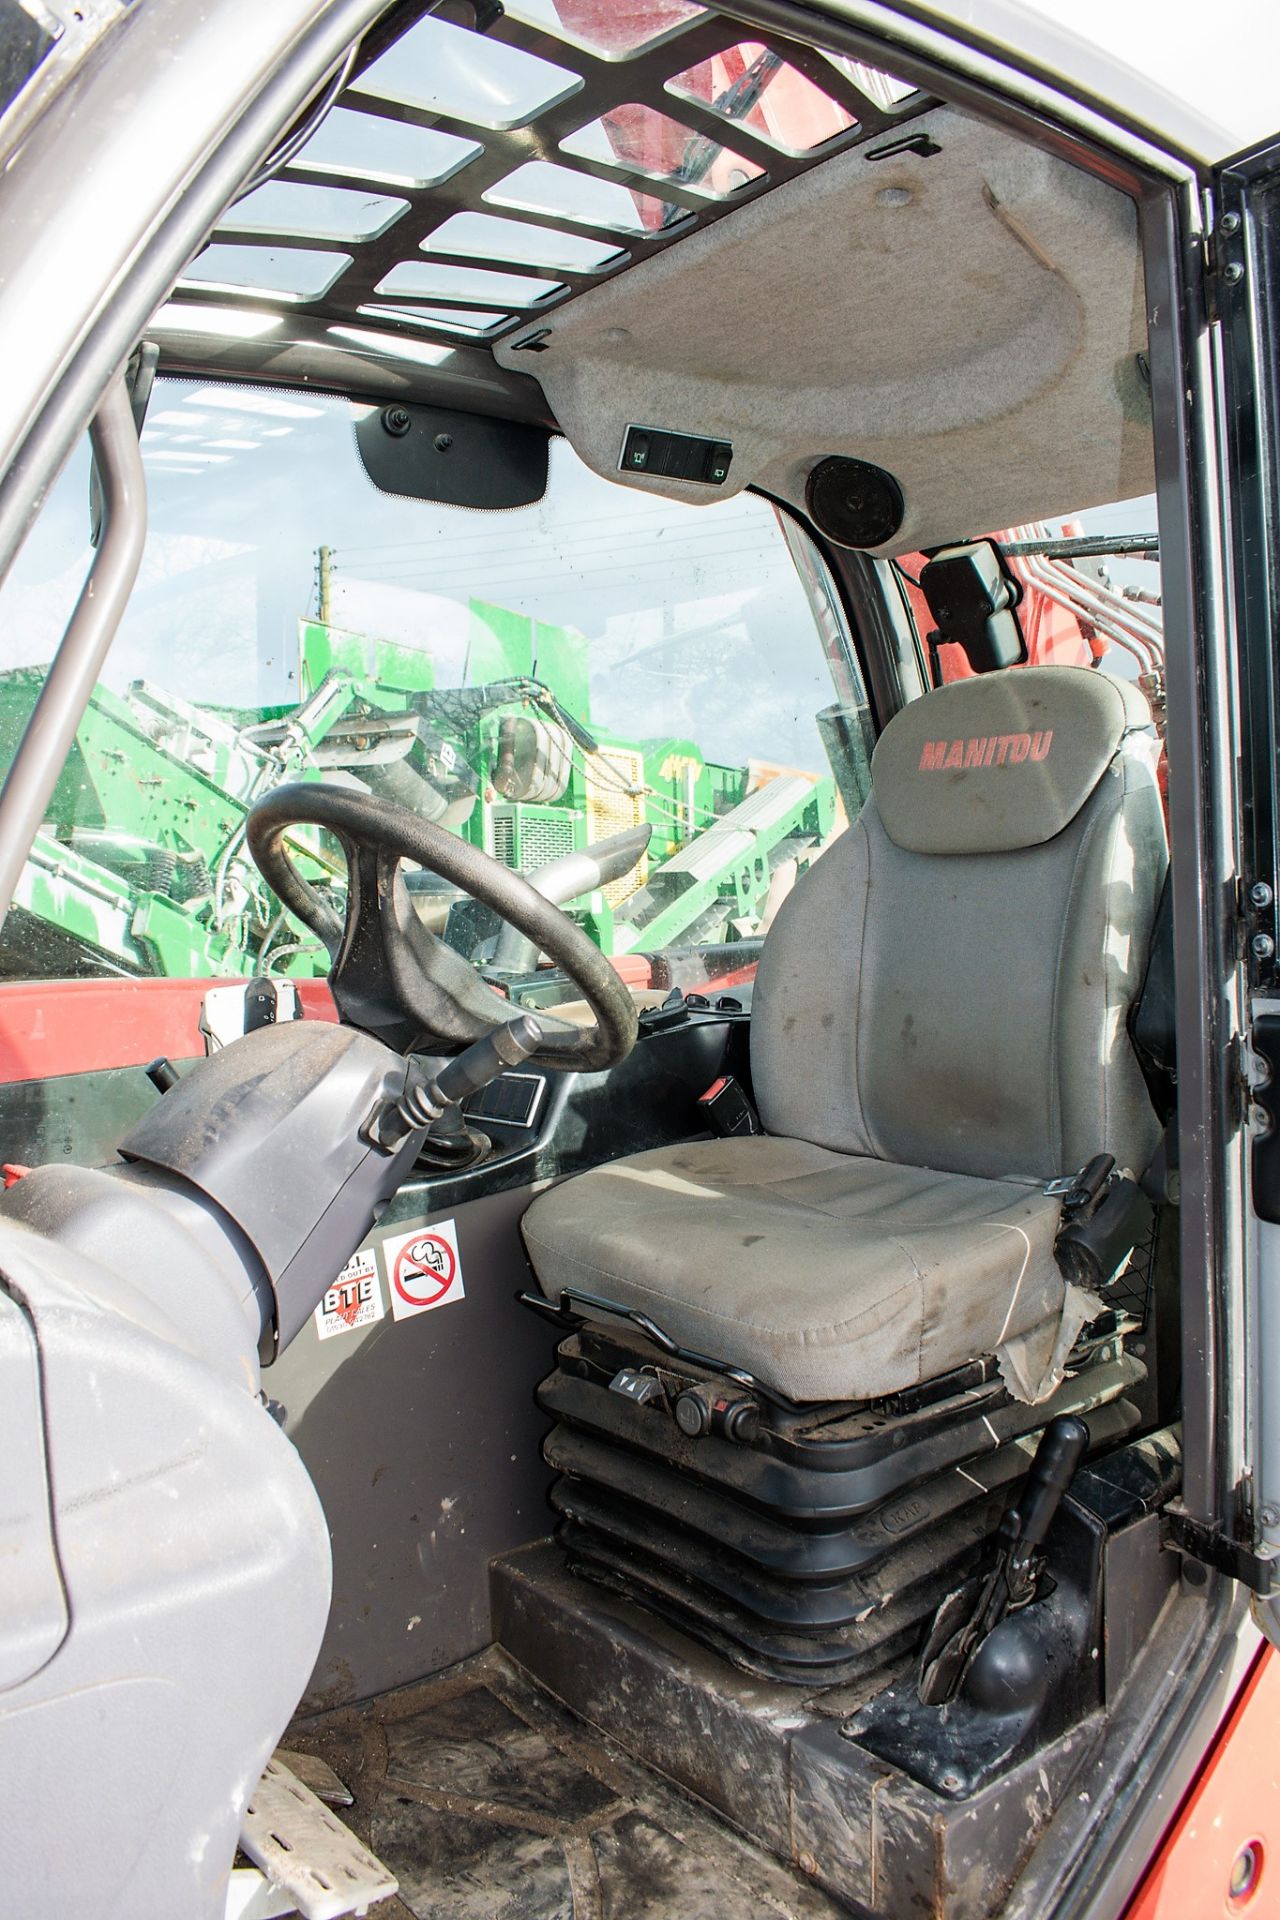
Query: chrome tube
568	878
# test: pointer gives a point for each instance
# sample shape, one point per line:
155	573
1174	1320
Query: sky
1216	64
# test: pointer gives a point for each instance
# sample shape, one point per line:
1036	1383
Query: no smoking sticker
355	1298
424	1269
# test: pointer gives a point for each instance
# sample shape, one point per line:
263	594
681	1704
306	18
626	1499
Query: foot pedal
307	1853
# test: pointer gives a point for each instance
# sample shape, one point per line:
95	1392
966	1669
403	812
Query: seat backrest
948	985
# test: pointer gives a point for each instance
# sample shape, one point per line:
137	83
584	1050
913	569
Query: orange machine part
1227	1832
633	968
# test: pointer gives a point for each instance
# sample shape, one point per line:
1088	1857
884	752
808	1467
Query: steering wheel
394	978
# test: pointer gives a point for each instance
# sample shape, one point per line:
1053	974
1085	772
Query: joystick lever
970	1612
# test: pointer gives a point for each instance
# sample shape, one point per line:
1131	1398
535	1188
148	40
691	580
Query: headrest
1002	761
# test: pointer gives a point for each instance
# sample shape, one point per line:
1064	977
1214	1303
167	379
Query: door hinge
1264	1110
1256	921
1236	1558
1224	260
1239	1055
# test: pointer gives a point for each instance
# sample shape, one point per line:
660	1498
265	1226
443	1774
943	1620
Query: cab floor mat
489	1801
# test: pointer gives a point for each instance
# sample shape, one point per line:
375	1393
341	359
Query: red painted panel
738	978
1233	1807
51	1027
631	968
317	1001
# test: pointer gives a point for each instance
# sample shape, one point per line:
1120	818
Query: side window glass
1090	595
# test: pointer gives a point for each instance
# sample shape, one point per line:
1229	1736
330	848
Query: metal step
306	1854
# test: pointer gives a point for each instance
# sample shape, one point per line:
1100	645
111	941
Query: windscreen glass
537	681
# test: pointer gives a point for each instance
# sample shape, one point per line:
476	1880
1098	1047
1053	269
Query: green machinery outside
141	866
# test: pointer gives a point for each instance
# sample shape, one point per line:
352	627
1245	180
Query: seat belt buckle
1082	1191
727	1109
1105	1215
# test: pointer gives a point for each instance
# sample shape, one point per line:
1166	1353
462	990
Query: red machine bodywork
53	1027
1231	1808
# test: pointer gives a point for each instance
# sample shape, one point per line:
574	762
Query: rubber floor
489	1801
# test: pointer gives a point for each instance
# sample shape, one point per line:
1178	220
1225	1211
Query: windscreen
537	681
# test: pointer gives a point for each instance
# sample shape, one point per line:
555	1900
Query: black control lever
485	1059
970	1612
1061	1449
435	1105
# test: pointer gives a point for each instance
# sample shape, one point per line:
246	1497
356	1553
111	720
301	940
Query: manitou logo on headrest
984	750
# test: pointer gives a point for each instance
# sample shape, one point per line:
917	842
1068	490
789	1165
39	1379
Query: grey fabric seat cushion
830	1276
968	1010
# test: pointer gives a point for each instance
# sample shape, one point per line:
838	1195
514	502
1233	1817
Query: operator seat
938	1032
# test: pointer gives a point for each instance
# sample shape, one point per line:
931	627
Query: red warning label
424	1269
355	1298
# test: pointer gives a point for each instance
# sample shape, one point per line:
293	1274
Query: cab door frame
94	227
1242	278
1096	1850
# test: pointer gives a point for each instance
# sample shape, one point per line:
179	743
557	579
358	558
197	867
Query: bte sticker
355	1298
424	1269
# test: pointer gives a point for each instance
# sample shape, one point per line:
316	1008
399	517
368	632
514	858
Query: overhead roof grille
466	183
754	84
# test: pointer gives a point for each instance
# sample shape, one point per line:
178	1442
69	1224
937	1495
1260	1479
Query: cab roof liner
692	224
968	319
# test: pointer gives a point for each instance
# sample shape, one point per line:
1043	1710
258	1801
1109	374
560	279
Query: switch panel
675	456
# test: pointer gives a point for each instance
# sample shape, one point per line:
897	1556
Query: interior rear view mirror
459	459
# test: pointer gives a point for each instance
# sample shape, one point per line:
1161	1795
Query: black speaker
854	503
